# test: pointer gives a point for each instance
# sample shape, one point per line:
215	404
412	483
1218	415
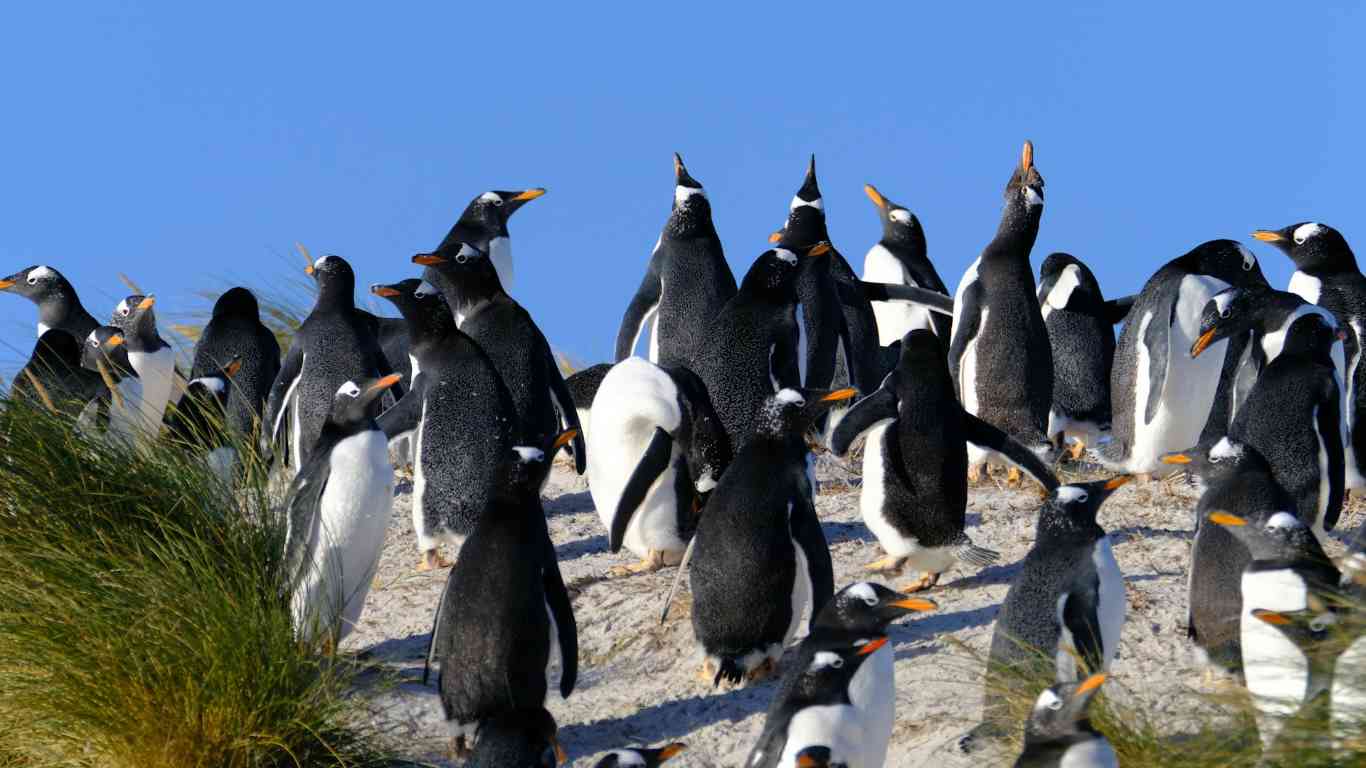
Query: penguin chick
523	738
1058	732
640	757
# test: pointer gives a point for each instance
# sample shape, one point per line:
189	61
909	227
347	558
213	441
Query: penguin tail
970	553
728	669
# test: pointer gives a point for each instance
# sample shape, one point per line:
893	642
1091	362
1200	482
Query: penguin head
805	225
106	347
356	401
335	278
640	757
40	284
1312	246
1313	336
690	204
1024	191
135	316
920	349
706	445
525	467
1310	629
237	302
789	412
1075	506
1213	461
899	225
834	659
1230	312
463	271
1228	260
1060	710
1271	535
421	305
216	385
512	737
490	211
1084	294
775	272
817	757
198	417
869	607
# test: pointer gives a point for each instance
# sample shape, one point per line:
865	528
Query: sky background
191	146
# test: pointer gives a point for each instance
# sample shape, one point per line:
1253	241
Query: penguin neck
1017	231
690	220
908	248
1059	525
64	311
336	293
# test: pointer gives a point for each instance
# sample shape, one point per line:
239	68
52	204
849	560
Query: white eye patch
863	591
122	308
1305	231
1032	197
528	454
785	255
349	389
319	263
40	272
467	252
682	193
1225	449
1249	261
1283	520
900	216
1070	494
797	202
91	340
425	289
628	757
1048	700
490	197
1224	300
211	383
824	659
790	396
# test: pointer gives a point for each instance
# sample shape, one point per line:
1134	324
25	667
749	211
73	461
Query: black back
518	739
1082	339
235	331
55	364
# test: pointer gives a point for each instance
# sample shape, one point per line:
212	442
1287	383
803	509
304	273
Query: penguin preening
660	448
1058	734
900	257
914	493
58	304
760	558
583	388
54	377
686	282
641	757
524	738
153	359
337	510
235	331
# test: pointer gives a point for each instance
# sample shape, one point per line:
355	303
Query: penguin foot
707	672
650	564
1078	448
432	560
1013	477
888	564
926	581
766	669
975	473
460	749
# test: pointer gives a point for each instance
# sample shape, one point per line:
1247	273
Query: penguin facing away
914	493
760	558
235	331
641	757
54	377
337	509
153	360
686	282
1058	733
58	304
899	257
1081	334
524	738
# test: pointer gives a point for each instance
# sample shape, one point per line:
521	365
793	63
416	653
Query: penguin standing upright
1058	733
485	220
505	613
686	282
460	416
335	344
58	304
659	449
1161	398
1081	334
914	494
1326	274
153	360
53	374
524	738
337	510
900	258
760	558
233	332
1000	357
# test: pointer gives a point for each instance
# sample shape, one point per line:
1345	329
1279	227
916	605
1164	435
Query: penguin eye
1055	704
1215	459
1299	239
1224	313
871	601
837	663
498	201
1318	625
1083	497
32	280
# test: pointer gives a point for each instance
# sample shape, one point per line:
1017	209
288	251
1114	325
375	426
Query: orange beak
1091	683
875	196
872	646
1224	518
564	438
819	249
114	341
673	750
384	290
776	236
386	382
1206	339
1116	482
1176	458
233	368
428	259
1267	236
6	284
146	303
917	604
1271	617
840	394
561	757
530	194
1027	156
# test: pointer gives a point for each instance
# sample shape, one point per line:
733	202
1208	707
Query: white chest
1276	671
836	727
1305	286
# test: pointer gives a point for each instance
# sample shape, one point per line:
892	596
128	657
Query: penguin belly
873	505
872	691
1277	673
156	370
1092	753
802	589
553	656
894	318
125	417
1113	604
837	727
427	539
1349	695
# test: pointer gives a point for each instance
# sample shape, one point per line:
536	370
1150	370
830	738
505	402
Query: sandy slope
637	680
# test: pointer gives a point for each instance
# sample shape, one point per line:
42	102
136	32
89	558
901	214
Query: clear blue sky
187	144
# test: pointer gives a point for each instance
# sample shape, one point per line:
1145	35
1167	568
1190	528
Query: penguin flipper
769	748
806	531
569	414
1116	310
1157	340
303	516
877	408
652	464
281	389
985	435
784	369
434	647
1081	618
644	304
557	598
405	414
935	301
1329	416
969	323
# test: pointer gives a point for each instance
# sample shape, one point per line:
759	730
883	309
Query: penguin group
701	454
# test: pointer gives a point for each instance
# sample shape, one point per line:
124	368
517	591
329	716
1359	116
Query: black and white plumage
485	220
146	396
914	492
525	738
235	331
53	374
505	615
760	557
200	421
583	387
686	282
58	305
337	509
1314	633
641	757
1161	398
1058	734
901	257
1081	334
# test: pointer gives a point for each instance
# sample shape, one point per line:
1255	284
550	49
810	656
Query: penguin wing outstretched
405	414
280	392
984	435
644	304
1081	618
564	403
1329	418
933	300
1157	340
1115	311
303	515
877	408
557	598
969	323
652	463
806	531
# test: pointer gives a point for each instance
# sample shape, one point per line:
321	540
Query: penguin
485	220
1348	692
1314	634
900	257
235	331
583	389
525	738
1233	478
1000	358
686	282
753	348
465	275
1293	417
1082	337
1288	568
815	707
1326	274
153	360
337	509
335	344
1161	399
505	614
817	757
660	449
58	305
459	414
641	757
914	494
760	558
200	421
1058	734
53	376
1066	604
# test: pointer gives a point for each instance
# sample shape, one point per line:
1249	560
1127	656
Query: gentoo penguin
900	258
1082	336
1288	568
660	448
760	558
640	757
154	362
583	388
914	494
1000	358
465	275
1313	632
200	421
485	220
1349	685
233	332
1326	274
1293	417
1066	604
505	614
335	344
524	738
337	510
460	416
686	283
1161	398
1236	479
753	347
53	376
815	707
58	305
1058	734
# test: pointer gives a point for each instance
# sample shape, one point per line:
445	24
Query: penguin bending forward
1058	733
524	738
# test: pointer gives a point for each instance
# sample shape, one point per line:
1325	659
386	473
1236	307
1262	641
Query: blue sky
190	145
